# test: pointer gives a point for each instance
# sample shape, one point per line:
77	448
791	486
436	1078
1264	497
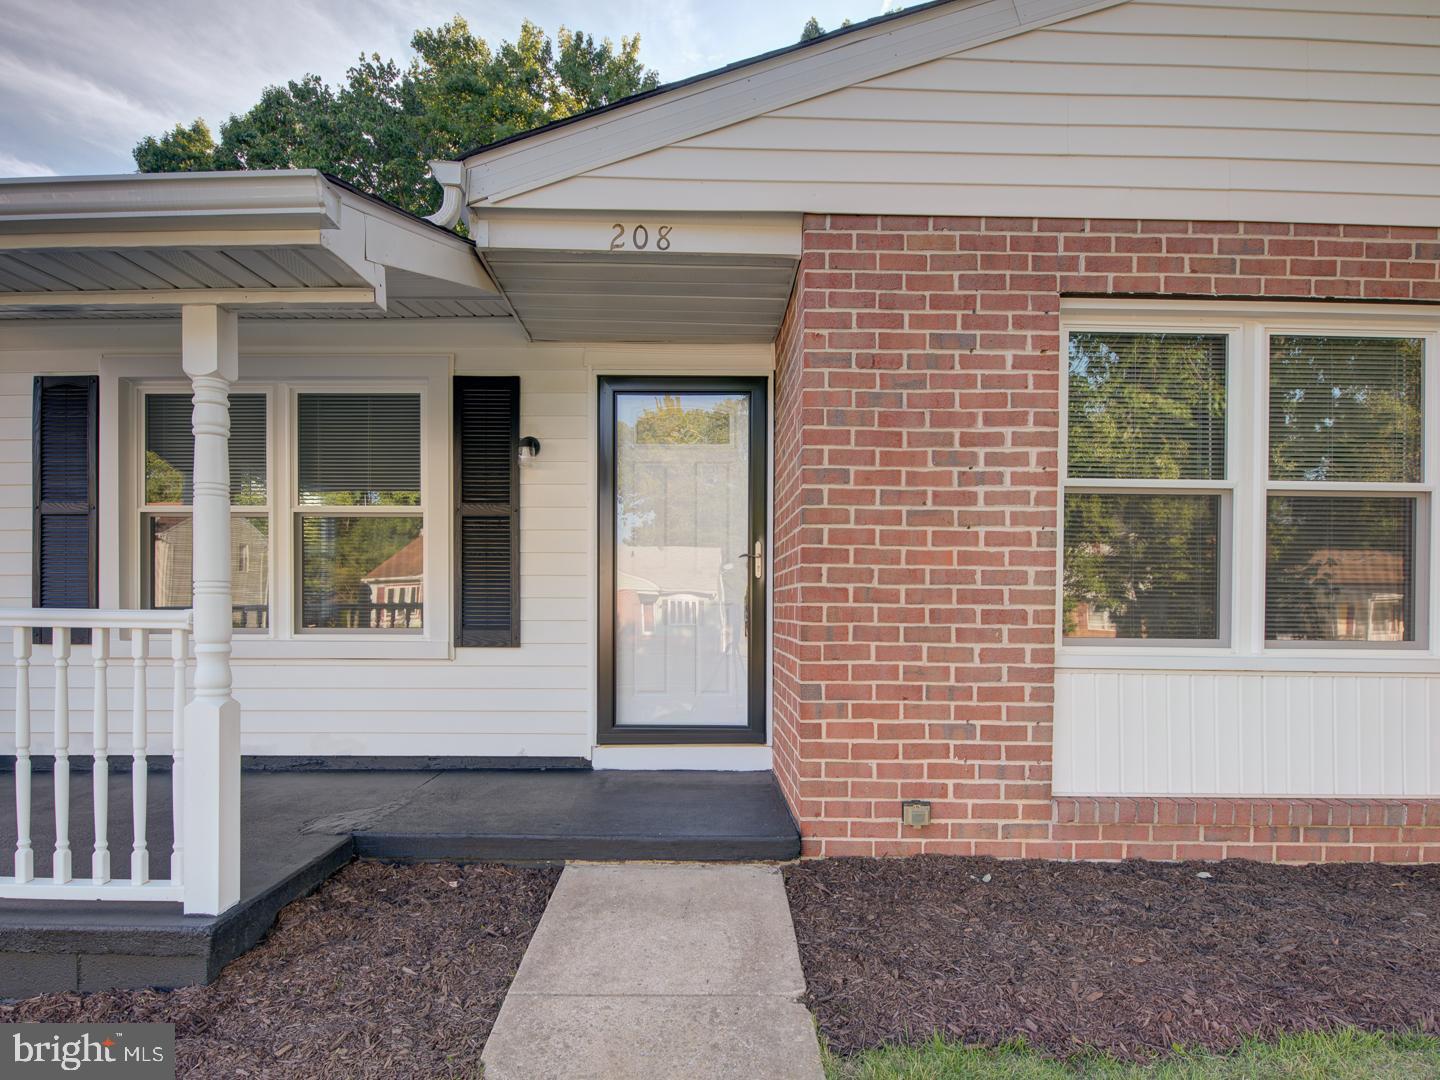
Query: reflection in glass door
682	560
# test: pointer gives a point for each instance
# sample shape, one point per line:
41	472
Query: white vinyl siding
1168	733
1268	110
536	700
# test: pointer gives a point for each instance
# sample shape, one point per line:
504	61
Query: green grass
1342	1055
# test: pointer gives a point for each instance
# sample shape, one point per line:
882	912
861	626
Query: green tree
164	485
338	554
283	130
653	502
379	126
1147	406
813	29
181	149
1149	561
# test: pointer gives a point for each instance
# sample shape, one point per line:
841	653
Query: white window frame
1223	488
125	381
296	510
1422	492
1242	582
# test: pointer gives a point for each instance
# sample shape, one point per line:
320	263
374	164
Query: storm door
682	560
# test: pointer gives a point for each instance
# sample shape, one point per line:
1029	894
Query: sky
82	82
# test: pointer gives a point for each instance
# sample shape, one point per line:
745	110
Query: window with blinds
1145	464
170	450
1142	566
359	512
359	449
1147	406
1325	462
1346	409
167	528
1340	569
1345	414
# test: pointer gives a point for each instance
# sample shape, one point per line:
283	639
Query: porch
204	352
297	827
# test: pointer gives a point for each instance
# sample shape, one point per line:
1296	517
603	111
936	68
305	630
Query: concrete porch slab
642	971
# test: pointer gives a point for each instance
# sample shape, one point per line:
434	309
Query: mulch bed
393	971
1127	958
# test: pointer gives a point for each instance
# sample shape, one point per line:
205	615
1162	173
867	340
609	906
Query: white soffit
717	278
277	244
754	87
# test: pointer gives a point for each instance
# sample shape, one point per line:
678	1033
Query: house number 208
640	237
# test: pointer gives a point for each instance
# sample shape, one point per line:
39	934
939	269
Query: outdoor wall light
529	449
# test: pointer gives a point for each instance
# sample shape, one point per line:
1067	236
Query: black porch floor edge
299	827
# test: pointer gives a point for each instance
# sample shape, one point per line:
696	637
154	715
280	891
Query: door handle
759	559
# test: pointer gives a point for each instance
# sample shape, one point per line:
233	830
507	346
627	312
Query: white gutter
298	199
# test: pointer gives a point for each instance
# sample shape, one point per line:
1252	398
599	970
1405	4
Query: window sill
1287	662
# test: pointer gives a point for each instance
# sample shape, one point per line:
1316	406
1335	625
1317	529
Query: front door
682	560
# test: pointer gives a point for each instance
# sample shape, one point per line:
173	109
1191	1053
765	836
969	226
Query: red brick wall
916	512
791	376
1278	830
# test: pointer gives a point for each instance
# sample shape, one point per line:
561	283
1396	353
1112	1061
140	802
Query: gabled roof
1266	110
751	87
404	565
704	76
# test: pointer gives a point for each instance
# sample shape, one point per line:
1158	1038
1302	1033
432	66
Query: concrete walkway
659	971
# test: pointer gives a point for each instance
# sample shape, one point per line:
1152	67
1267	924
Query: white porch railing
105	629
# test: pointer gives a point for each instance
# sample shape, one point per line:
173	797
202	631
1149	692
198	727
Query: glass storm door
682	560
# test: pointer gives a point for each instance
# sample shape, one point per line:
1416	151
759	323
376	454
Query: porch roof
275	244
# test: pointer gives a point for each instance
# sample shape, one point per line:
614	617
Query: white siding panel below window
1168	733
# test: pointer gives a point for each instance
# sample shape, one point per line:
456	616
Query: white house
875	359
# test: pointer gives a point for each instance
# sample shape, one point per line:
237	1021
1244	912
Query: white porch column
211	797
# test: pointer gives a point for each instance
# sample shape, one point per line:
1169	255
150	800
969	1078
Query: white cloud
82	81
10	165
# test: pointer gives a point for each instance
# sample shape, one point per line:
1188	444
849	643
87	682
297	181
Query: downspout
450	175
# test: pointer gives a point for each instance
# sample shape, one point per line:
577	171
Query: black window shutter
487	526
65	458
